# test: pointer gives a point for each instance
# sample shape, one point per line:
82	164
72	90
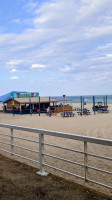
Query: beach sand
99	125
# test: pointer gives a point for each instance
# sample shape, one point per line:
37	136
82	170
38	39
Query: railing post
85	161
41	156
12	140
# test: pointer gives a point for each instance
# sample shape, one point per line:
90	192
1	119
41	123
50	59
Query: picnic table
84	112
100	107
103	110
67	114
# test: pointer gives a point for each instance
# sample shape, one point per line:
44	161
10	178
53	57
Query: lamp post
30	106
63	105
81	104
94	104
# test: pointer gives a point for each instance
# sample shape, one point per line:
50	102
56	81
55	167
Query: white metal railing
42	153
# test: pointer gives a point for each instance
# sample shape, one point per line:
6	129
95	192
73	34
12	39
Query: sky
56	47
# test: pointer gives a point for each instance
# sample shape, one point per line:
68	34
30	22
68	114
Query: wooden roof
35	100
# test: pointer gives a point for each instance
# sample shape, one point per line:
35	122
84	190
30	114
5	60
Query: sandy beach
99	125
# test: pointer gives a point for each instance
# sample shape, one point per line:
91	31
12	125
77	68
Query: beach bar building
25	102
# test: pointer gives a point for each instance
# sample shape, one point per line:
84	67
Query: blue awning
7	96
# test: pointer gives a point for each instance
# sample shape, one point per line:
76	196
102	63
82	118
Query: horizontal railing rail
42	154
61	134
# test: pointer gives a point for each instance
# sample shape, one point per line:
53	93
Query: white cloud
13	70
65	69
66	36
38	66
30	6
14	63
92	32
17	21
93	67
14	77
109	55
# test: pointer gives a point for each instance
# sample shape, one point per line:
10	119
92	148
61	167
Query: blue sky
56	47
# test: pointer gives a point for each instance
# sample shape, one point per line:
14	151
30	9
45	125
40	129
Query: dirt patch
19	181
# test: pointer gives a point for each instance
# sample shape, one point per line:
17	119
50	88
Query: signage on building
24	94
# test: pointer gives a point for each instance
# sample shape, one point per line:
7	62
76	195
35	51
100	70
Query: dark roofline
26	100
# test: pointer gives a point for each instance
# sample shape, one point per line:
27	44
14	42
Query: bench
102	111
79	113
67	114
88	113
84	113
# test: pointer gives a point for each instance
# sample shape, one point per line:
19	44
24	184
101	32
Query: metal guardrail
42	153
